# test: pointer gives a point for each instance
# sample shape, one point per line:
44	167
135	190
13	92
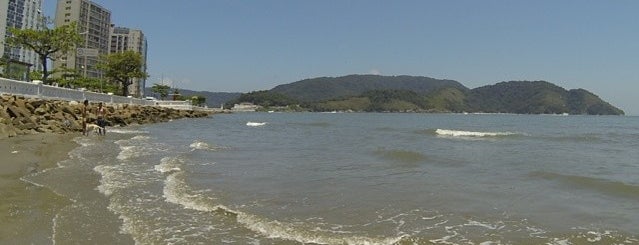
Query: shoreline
27	211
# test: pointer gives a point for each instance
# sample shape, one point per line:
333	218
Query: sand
26	210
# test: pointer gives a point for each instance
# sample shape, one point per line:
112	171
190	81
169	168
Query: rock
7	131
24	116
15	111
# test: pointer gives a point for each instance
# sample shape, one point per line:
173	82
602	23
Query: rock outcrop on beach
20	115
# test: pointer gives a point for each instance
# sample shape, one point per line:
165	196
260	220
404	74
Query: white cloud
374	72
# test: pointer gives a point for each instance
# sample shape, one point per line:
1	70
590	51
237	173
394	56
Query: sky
243	46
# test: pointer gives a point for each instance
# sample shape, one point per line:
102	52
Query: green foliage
580	101
394	100
161	89
521	97
46	42
352	104
198	100
121	68
446	99
176	95
328	88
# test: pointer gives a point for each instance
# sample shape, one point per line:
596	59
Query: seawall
23	115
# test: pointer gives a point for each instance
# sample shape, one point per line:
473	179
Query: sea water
353	178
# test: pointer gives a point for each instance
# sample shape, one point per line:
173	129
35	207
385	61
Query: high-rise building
21	14
125	39
94	22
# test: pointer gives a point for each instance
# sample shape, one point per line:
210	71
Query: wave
168	165
603	186
200	145
126	131
112	179
471	134
255	124
177	191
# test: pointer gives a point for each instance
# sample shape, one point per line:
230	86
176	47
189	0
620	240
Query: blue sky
242	46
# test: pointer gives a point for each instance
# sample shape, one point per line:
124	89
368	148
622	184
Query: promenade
39	90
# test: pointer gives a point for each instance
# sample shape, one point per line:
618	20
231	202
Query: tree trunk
45	72
125	88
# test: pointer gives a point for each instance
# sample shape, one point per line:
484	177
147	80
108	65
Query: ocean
353	178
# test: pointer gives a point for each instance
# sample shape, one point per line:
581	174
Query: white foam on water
176	191
459	133
201	145
168	165
255	124
111	179
125	131
485	225
127	152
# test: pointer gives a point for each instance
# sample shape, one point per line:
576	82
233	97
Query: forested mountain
326	88
538	97
422	94
371	93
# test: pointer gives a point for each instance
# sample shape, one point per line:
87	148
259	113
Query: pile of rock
20	115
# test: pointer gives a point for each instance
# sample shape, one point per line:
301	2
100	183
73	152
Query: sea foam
178	192
255	124
459	133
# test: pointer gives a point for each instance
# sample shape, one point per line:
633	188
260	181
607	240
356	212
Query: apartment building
126	39
94	23
23	14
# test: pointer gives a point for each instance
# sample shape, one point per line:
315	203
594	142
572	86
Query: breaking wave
201	145
177	191
255	124
472	134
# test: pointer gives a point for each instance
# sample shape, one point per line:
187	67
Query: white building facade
22	14
94	22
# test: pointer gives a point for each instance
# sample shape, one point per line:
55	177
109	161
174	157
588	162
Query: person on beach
101	119
85	110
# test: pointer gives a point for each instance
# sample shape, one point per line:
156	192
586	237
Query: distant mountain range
423	94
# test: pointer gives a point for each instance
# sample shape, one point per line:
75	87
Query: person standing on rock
85	111
101	119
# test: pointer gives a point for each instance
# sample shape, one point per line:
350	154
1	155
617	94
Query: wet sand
27	211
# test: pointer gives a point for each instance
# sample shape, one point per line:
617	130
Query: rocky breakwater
20	115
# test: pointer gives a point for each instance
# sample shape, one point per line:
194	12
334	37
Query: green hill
538	97
372	93
327	88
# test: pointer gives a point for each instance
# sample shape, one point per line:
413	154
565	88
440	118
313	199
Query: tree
161	89
198	100
122	68
46	42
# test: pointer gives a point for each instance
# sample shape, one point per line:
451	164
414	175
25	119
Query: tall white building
125	39
22	14
94	22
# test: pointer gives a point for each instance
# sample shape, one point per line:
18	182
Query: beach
27	210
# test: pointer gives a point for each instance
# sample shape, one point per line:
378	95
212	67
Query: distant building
245	107
22	14
123	39
94	22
